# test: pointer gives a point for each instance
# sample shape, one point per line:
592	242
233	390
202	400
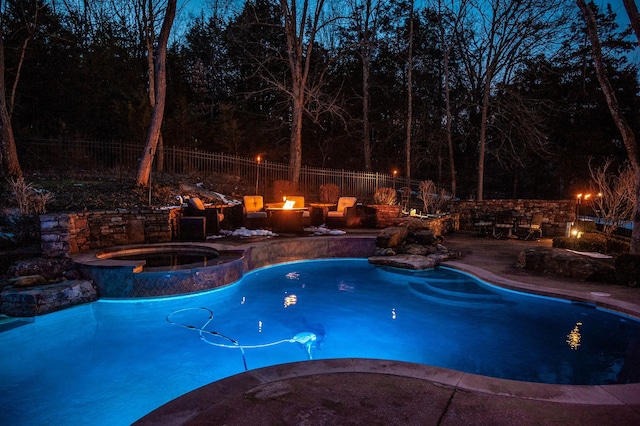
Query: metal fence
118	159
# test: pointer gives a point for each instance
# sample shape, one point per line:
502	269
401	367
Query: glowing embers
574	337
306	339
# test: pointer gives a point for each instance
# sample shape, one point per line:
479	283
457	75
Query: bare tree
628	137
616	199
301	27
503	35
368	17
448	29
160	86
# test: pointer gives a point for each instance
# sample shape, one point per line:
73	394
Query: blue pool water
112	362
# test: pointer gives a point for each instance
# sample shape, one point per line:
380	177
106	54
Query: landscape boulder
33	301
556	261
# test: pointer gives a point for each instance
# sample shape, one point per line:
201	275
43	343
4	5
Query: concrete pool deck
364	392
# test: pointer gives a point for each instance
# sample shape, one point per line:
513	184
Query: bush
588	242
329	193
628	269
27	198
593	241
384	196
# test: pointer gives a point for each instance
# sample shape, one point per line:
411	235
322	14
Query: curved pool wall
121	279
125	279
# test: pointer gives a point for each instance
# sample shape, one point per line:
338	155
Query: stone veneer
64	234
556	214
121	279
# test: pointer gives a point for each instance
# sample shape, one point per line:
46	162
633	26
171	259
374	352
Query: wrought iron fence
117	159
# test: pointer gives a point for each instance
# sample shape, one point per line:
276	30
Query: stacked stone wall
70	233
556	214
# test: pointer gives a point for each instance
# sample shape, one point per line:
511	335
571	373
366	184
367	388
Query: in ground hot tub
154	270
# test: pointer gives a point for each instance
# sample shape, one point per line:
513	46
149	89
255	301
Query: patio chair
533	228
503	224
254	213
299	204
483	224
345	213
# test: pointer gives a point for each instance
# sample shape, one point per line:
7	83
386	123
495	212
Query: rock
417	249
49	267
29	302
560	262
413	223
392	237
405	261
27	281
424	237
384	252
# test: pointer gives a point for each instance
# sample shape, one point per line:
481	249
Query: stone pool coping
215	398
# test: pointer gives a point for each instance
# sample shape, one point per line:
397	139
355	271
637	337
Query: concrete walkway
375	392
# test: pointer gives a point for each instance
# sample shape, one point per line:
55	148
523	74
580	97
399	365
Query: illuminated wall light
574	337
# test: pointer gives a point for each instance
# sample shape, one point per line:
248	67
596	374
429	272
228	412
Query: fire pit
283	220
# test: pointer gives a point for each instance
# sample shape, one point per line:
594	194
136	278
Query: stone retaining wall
556	214
65	234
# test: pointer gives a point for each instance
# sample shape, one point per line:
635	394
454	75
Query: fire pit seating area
255	216
344	215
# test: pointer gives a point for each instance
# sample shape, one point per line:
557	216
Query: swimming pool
112	362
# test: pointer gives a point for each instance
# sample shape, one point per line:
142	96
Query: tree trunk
149	19
634	16
628	137
295	147
10	164
144	168
447	99
297	28
366	125
409	95
483	137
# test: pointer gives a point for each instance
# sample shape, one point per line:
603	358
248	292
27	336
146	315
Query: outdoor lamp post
395	173
578	202
258	159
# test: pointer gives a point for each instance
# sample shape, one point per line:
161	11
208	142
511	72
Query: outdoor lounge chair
255	215
345	213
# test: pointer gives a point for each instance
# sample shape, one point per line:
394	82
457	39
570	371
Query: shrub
588	242
329	193
593	241
384	196
27	198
